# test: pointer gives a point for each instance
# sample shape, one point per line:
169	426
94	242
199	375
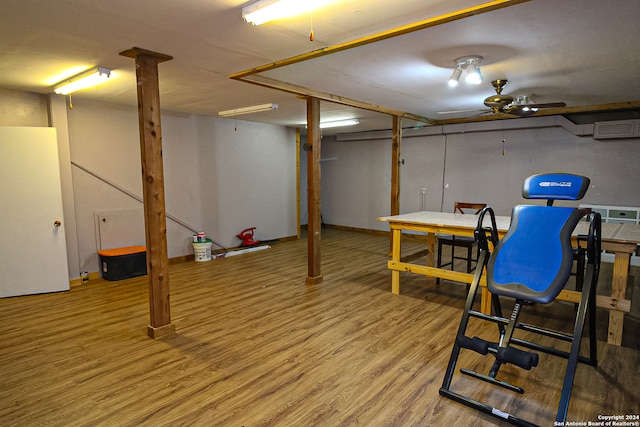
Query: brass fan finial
499	84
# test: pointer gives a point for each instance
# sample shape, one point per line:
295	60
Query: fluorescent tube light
338	123
267	10
86	79
248	110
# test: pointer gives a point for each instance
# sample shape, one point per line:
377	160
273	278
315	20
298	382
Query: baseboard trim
176	260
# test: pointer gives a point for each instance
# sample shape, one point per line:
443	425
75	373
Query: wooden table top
445	219
622	233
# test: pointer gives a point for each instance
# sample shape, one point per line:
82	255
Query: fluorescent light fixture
86	79
268	10
248	110
339	123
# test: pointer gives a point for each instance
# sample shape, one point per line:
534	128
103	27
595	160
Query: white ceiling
582	52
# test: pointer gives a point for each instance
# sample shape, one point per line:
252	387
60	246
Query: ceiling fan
521	106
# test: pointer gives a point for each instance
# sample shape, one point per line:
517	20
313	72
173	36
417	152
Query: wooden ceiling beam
305	92
250	75
384	35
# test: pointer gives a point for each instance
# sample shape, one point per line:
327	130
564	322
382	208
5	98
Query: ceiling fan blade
459	111
529	109
546	105
519	111
482	113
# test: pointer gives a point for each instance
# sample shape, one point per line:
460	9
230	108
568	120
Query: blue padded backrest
533	261
555	186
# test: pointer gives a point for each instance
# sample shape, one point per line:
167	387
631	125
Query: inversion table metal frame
503	350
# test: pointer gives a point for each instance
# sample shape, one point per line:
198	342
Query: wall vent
616	129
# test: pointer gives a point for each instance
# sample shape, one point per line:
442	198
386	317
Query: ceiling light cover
248	110
268	10
86	79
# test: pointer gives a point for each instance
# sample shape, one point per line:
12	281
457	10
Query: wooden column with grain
298	183
396	141
312	148
146	63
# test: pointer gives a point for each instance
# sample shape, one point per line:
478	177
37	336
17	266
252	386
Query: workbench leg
485	304
431	248
396	236
618	292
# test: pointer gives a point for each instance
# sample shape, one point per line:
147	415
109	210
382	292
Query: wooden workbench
621	239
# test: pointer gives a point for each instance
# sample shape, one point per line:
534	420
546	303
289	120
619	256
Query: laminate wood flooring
256	346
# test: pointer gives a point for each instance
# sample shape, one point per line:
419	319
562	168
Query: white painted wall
355	182
470	166
19	108
248	175
221	175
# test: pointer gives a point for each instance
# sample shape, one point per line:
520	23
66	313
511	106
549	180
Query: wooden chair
460	241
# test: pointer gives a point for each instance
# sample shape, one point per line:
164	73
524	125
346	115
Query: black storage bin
123	263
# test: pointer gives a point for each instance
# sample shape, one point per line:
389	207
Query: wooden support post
314	275
298	183
153	188
396	142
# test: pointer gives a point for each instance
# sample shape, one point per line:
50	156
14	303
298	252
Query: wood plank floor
255	346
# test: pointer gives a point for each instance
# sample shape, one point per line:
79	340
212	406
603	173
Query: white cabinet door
33	251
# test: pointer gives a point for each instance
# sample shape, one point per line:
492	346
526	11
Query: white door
33	251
